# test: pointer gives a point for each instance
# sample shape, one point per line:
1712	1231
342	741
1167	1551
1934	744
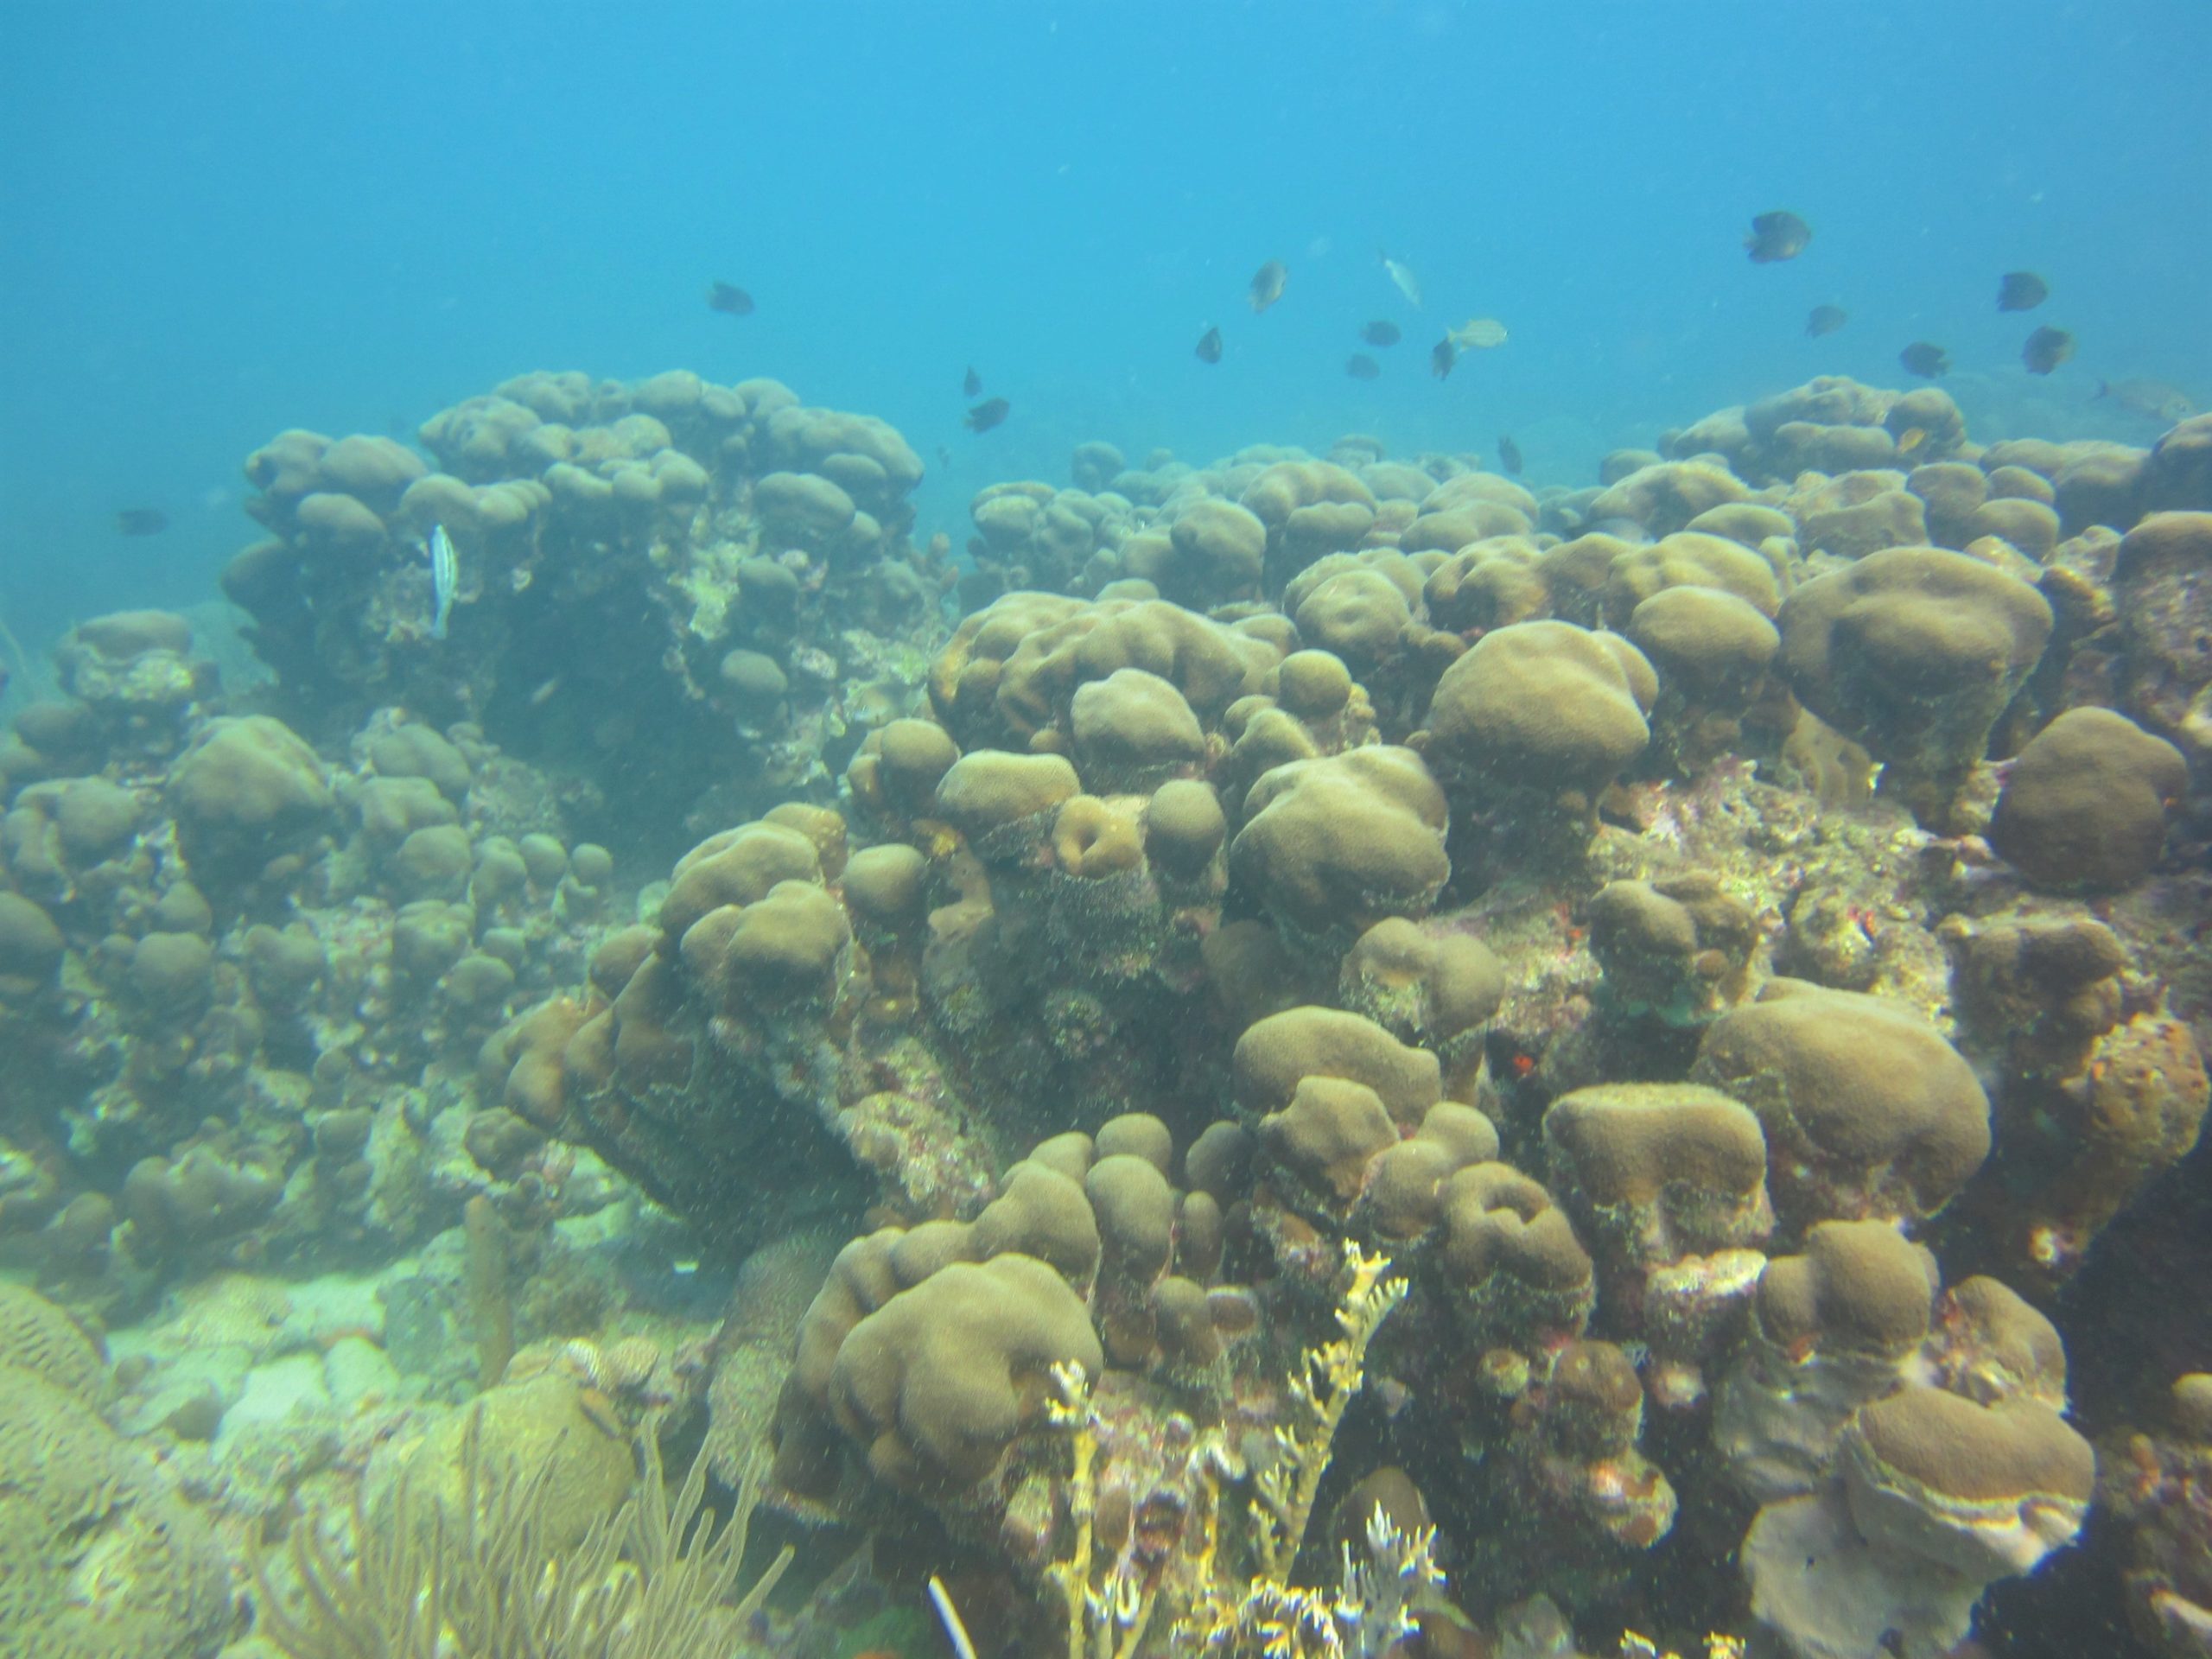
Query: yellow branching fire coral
1364	1619
1330	1377
1716	1647
1106	1621
1266	1615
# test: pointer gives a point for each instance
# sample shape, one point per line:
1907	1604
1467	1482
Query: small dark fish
1509	455
141	521
945	457
2046	349
1777	236
728	299
1925	360
1209	346
2154	398
1825	319
1381	332
2021	291
1268	283
1361	366
1441	360
986	415
973	384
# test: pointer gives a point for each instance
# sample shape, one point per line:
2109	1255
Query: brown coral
1330	845
940	1380
1867	1110
2085	805
1915	653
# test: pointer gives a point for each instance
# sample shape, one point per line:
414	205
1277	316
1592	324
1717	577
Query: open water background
222	219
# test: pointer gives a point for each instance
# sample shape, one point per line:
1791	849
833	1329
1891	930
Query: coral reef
1707	954
715	573
653	1580
99	1553
1904	1457
2155	1482
245	980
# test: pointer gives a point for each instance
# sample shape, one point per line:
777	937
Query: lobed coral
1293	859
750	548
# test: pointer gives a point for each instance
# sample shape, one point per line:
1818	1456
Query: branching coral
650	1582
1329	1379
1107	1621
1104	1623
1716	1647
1268	1615
1365	1618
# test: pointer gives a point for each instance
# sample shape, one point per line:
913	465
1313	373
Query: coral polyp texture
667	581
1281	1056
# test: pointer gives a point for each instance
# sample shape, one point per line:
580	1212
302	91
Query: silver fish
2152	398
1409	284
445	576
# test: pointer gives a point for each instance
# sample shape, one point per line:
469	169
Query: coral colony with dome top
667	1022
1342	1051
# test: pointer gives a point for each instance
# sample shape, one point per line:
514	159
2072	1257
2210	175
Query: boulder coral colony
1713	949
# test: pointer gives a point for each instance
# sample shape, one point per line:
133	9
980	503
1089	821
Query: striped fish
445	576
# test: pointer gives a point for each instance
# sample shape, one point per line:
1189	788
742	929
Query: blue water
220	220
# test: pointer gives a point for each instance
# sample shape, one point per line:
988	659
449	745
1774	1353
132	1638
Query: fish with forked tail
986	415
445	577
2154	398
